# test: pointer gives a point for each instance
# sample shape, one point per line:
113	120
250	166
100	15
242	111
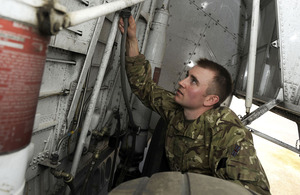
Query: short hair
222	82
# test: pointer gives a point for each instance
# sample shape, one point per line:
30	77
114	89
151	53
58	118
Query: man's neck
191	114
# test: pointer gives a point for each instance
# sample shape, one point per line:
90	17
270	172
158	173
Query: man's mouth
179	92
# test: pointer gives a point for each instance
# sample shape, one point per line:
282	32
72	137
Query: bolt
54	159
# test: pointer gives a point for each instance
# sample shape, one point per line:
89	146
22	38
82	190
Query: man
201	137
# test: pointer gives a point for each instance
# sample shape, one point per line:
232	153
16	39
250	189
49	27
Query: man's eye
194	81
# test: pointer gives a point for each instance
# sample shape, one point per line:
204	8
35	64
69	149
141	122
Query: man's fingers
121	28
131	20
121	25
121	21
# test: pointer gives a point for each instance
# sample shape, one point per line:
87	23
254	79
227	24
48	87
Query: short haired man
201	137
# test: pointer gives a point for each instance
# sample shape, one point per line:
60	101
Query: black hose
123	80
125	14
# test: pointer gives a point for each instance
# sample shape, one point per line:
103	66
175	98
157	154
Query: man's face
191	93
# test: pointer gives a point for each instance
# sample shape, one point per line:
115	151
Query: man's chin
177	100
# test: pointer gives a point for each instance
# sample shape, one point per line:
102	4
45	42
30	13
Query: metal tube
61	61
86	66
95	94
151	16
271	139
263	109
46	95
259	112
138	13
156	46
84	15
252	54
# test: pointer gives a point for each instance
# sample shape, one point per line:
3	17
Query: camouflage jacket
215	144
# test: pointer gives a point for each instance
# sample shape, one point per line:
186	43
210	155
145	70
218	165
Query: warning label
22	59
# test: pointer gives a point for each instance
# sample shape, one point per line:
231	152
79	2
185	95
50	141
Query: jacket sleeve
151	95
233	156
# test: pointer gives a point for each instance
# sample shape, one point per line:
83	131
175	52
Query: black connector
54	158
126	12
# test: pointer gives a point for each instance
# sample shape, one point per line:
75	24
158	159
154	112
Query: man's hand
131	31
131	43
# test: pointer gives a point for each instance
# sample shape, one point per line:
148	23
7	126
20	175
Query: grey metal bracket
85	2
263	109
47	163
52	18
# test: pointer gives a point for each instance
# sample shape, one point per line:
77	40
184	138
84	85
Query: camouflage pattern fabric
215	144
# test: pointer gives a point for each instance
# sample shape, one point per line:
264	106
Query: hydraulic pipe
157	41
252	54
95	94
86	67
83	15
151	16
138	13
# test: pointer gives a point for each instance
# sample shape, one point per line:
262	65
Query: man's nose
182	83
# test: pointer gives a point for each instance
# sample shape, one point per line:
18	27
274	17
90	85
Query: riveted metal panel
208	33
289	39
227	13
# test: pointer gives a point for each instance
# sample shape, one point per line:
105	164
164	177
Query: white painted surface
12	171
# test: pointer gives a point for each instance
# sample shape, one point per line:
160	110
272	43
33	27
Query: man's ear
211	100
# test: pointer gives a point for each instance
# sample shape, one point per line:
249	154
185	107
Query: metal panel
105	31
289	39
76	38
227	13
178	36
210	28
